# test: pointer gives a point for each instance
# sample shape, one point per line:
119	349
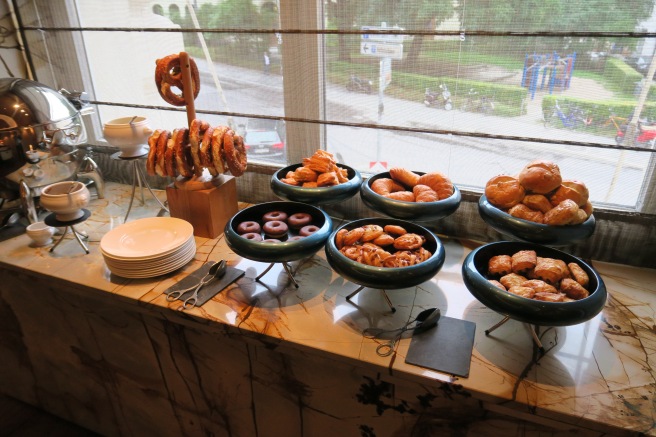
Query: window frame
302	138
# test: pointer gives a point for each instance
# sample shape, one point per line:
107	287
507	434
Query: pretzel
160	168
234	152
169	155
217	148
168	75
205	153
196	131
182	154
151	161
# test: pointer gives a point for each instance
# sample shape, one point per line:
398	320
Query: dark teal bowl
527	310
387	278
284	251
319	195
531	232
415	211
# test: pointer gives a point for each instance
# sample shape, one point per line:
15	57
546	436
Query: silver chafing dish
40	131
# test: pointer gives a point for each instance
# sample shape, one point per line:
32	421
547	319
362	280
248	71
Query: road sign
389	38
382	50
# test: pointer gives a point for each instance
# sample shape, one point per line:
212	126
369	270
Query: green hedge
508	100
596	110
621	77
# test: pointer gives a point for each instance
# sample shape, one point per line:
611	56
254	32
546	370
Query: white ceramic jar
40	233
130	134
66	199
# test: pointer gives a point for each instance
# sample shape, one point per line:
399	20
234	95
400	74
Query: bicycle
478	103
573	119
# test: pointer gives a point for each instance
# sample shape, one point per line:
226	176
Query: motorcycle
645	134
441	98
360	85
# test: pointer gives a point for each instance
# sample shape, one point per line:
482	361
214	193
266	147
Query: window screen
471	88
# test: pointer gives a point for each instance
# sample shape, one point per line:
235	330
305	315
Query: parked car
265	144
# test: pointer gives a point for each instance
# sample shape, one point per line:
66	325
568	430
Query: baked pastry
540	286
499	265
562	214
523	261
169	154
549	297
578	274
540	177
424	193
205	151
305	174
406	177
522	291
537	202
299	219
438	182
168	78
405	196
524	212
511	280
162	144
152	152
573	289
183	163
217	149
248	227
196	131
504	191
385	186
394	229
497	284
275	215
234	153
275	229
549	270
327	179
574	190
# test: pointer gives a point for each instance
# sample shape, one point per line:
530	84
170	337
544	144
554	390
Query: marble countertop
596	372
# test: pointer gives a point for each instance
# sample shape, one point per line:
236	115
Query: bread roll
540	177
570	189
504	191
537	202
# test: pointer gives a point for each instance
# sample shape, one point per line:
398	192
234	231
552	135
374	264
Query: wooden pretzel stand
207	205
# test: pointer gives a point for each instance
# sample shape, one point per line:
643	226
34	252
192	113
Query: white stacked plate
148	247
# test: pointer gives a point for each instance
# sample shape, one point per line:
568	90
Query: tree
346	15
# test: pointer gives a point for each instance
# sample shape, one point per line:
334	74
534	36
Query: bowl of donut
411	195
278	231
385	253
318	180
534	284
538	206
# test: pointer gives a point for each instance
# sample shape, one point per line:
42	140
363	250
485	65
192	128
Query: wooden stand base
207	210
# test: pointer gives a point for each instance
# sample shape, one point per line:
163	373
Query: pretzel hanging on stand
198	146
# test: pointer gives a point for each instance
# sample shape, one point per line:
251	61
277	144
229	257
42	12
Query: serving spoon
10	220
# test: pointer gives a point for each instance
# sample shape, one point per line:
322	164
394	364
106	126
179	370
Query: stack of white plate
148	247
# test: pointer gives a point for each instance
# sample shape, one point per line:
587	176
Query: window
472	88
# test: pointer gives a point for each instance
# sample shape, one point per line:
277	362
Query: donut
271	240
234	152
275	229
168	75
253	236
308	230
296	238
298	220
274	215
248	227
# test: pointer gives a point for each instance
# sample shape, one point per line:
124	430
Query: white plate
146	238
151	266
150	273
191	243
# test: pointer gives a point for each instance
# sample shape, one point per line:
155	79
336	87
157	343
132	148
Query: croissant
403	176
327	179
405	196
385	186
439	183
424	193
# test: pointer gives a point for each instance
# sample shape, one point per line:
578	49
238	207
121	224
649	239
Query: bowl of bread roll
385	253
318	180
538	206
411	195
278	231
535	284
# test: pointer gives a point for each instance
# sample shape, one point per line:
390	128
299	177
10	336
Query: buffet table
265	358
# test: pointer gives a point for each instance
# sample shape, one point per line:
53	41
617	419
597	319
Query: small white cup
40	233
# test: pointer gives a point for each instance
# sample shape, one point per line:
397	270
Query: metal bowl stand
385	296
51	220
287	268
530	327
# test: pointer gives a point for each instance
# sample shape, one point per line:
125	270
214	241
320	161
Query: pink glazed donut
275	229
248	227
253	236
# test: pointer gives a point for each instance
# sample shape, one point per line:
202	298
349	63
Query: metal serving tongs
216	271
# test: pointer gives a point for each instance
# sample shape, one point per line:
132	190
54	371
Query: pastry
182	154
196	131
522	291
299	219
573	289
424	193
537	202
385	186
511	280
405	177
578	274
275	229
499	265
405	196
168	77
540	177
308	230
574	190
439	183
504	191
151	161
524	212
274	215
248	227
523	261
562	214
327	179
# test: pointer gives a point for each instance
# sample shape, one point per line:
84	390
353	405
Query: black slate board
210	290
446	348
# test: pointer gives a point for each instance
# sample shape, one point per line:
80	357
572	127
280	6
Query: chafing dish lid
26	103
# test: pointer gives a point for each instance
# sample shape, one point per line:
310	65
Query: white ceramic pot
130	134
66	199
40	233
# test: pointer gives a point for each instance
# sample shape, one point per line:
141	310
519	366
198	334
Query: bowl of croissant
385	253
534	284
318	180
411	195
538	206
